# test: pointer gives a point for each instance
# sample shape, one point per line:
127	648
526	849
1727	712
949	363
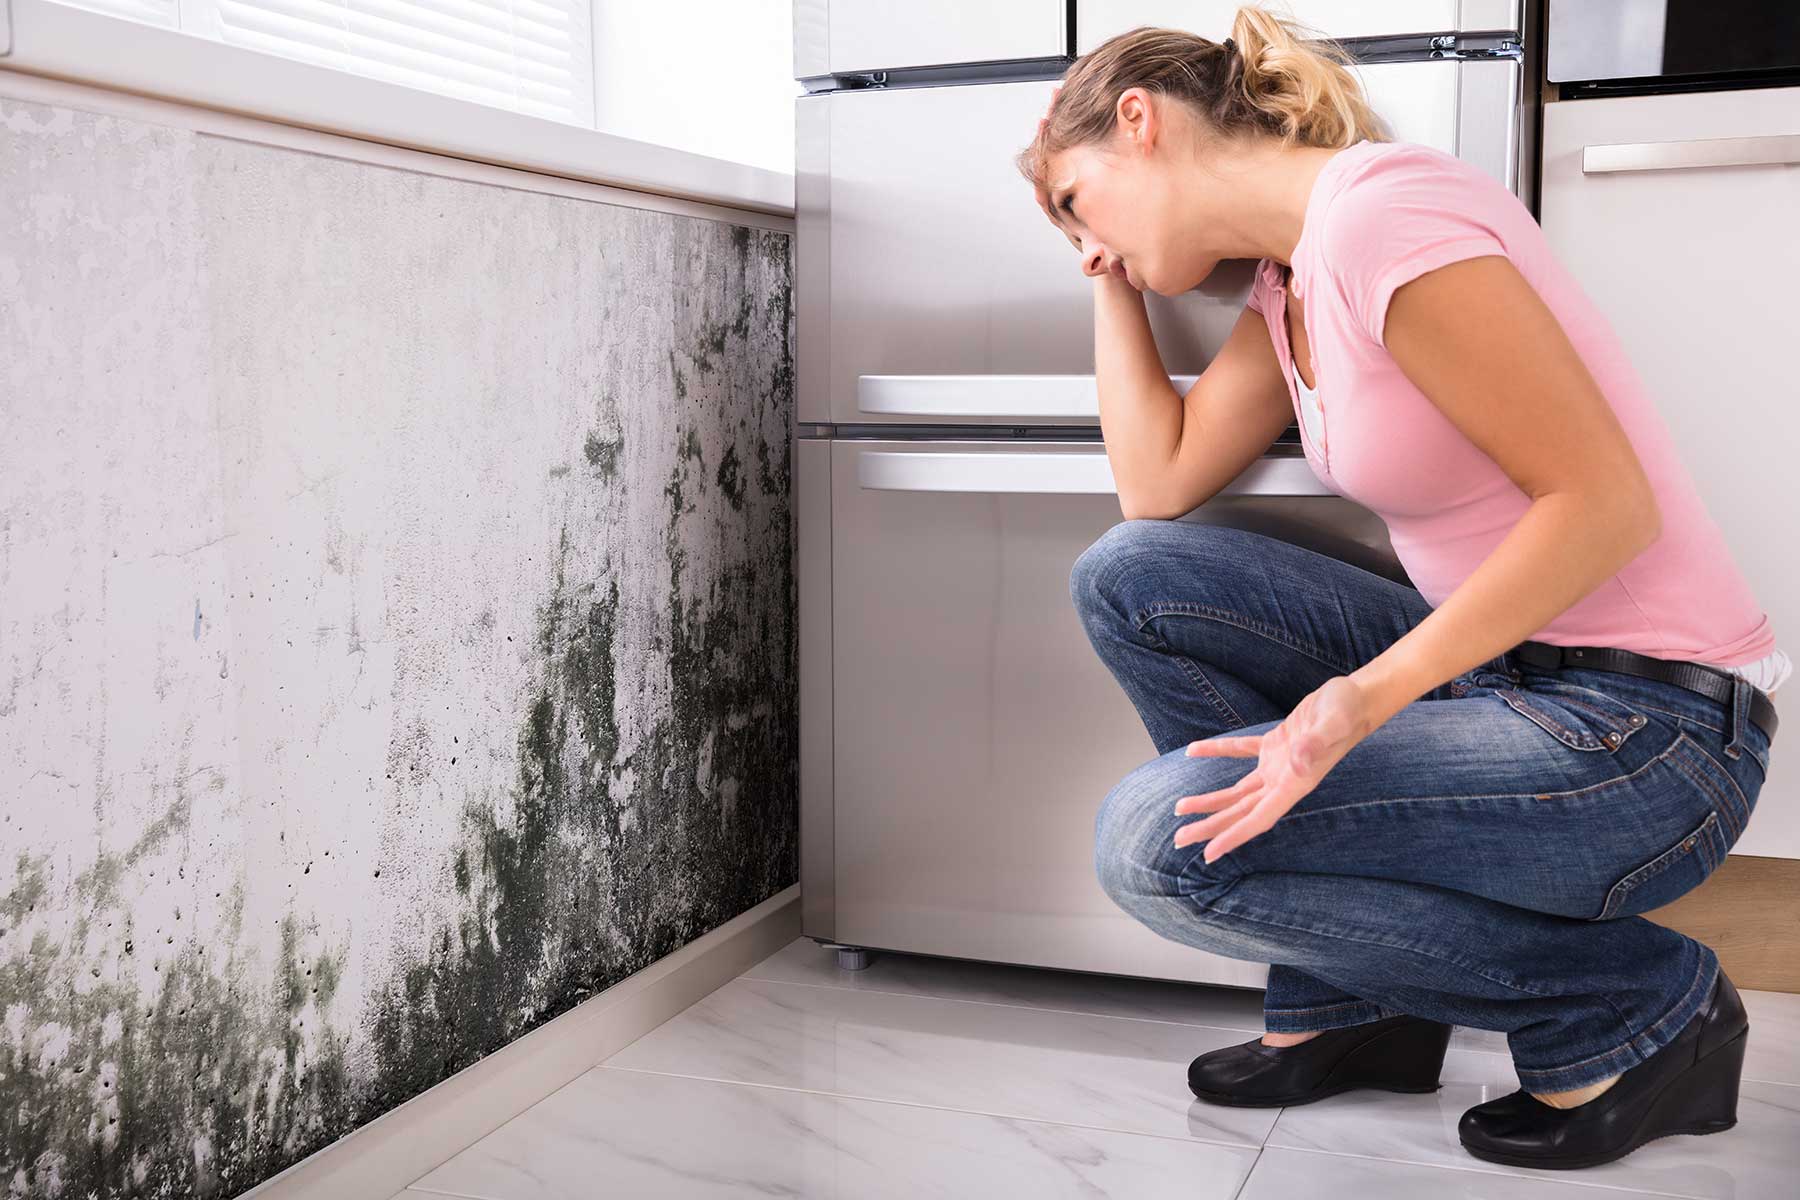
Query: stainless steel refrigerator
958	732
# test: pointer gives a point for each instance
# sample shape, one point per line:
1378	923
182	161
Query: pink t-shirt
1383	213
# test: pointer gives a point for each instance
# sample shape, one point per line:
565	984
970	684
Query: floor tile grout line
972	1112
1495	1170
1245	1181
434	1191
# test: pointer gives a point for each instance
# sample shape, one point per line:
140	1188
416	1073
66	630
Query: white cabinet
1695	265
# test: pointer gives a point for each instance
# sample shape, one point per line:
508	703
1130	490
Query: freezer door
975	732
937	260
1097	20
881	35
1470	108
921	250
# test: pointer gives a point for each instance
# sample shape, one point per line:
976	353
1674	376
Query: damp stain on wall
509	609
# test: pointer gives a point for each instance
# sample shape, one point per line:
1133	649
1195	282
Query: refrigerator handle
1781	149
1023	396
1063	473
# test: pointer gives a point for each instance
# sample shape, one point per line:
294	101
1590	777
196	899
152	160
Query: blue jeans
1479	859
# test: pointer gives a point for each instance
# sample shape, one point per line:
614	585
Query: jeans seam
1543	720
1322	1007
1631	1043
1455	962
1363	804
1225	616
1670	857
1609	719
1681	716
1715	798
1743	799
1198	677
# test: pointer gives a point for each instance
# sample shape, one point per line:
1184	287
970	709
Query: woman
1450	819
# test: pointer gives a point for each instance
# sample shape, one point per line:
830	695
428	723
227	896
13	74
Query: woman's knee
1135	856
1094	579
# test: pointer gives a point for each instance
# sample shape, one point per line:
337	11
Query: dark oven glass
1671	39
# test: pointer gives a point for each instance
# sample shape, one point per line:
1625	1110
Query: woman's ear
1137	116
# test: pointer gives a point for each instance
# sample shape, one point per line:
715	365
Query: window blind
533	56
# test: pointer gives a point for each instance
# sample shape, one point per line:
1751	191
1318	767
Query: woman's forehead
1061	170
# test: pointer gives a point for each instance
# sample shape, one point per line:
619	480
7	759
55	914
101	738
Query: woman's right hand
1043	194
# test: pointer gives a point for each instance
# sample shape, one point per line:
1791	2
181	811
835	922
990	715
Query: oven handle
986	395
1779	149
1069	473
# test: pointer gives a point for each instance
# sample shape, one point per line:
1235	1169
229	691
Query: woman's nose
1094	257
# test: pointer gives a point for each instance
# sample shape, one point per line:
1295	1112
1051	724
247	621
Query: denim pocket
1670	875
1579	717
1728	795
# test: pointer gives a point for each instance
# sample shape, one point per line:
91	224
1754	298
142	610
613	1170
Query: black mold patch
603	453
567	884
203	1090
729	483
567	896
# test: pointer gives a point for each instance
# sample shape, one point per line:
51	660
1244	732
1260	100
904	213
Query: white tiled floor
934	1077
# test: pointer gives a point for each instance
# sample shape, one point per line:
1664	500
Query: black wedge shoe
1396	1054
1688	1086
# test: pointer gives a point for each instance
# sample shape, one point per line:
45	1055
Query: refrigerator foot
850	958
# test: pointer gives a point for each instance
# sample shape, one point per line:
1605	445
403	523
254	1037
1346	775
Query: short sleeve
1255	300
1408	214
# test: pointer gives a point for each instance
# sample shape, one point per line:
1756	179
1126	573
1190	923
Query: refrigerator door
974	730
1470	108
920	249
1097	20
846	37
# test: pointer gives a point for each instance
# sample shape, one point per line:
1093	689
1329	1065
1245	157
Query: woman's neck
1270	187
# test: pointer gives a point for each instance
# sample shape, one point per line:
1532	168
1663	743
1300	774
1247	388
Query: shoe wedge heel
1409	1059
1689	1086
1705	1099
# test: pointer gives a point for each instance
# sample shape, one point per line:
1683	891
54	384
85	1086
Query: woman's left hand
1292	758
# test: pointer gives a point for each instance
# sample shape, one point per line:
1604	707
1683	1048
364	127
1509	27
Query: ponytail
1266	78
1306	91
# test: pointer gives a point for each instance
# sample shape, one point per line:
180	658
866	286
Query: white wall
712	76
396	630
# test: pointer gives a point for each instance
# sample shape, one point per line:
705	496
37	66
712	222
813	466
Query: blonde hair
1272	76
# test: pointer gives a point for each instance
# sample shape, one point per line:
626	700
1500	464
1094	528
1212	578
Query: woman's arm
1172	453
1480	343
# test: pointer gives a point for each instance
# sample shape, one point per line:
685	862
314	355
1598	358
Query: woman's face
1134	208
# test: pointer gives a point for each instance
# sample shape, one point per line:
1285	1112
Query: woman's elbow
1145	508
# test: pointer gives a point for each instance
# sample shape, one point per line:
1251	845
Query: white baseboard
404	1143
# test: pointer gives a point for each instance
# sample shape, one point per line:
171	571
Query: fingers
1240	832
1226	746
1199	831
1211	801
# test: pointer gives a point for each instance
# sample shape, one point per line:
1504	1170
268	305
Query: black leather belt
1708	681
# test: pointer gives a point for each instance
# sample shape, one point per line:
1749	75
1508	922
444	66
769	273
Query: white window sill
69	43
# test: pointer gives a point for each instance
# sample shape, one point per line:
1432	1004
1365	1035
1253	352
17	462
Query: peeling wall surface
396	632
